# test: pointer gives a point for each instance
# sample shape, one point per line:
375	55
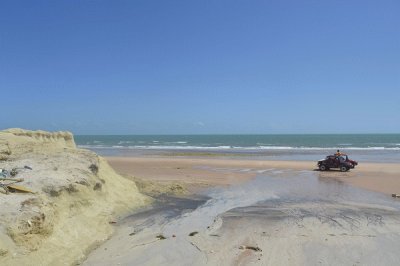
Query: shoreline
203	172
83	204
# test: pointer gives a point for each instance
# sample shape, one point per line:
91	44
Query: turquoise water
246	142
361	147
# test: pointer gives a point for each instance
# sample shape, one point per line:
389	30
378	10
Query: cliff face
76	195
15	141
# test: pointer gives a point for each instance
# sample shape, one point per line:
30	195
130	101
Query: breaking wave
188	147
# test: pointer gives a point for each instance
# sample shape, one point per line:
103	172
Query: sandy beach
259	212
192	133
83	209
379	177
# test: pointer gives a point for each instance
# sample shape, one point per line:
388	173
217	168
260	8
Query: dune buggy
341	162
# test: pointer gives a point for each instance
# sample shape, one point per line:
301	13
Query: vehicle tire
322	167
343	168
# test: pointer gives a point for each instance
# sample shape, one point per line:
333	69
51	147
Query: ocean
368	147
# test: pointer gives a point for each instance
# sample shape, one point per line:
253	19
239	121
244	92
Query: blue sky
194	67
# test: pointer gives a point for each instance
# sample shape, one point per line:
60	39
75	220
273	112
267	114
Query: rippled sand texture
282	217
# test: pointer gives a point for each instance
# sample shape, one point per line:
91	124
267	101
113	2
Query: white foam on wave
273	147
125	142
175	147
93	146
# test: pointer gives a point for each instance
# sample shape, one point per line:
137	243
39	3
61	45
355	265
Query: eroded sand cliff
77	195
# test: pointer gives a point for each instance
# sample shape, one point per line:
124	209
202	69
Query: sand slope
77	195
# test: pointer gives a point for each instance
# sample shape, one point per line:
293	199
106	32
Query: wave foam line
159	147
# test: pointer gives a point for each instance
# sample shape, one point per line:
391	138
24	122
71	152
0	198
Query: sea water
365	147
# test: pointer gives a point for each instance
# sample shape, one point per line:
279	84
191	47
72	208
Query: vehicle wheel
322	167
343	168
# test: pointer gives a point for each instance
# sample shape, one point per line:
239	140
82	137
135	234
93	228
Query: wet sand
258	212
195	172
278	217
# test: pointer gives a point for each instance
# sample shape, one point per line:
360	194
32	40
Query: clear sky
194	67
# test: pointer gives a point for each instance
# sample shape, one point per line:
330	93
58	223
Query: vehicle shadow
330	170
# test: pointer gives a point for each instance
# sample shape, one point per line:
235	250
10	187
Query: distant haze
200	67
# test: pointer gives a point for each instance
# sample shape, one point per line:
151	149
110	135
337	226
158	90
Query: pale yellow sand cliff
73	204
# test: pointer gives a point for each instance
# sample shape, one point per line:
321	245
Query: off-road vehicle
341	161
